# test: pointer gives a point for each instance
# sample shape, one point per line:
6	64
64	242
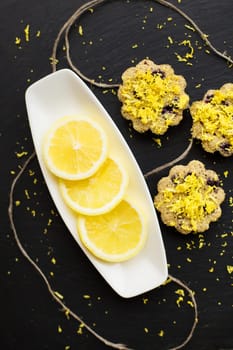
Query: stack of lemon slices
93	184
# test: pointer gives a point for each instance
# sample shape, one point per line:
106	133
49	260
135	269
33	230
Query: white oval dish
64	93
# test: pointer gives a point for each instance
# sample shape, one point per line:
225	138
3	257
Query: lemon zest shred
180	292
27	194
60	296
80	30
53	261
21	154
189	27
170	39
27	32
215	116
189	302
17	41
80	329
86	296
179	300
190	53
191	198
53	61
161	333
145	94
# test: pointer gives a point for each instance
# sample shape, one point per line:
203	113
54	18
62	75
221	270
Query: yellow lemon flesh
99	193
75	148
115	236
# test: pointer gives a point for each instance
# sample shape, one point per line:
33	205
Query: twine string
195	320
65	308
172	162
38	269
65	30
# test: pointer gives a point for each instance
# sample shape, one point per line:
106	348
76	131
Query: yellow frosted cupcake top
213	120
189	198
152	97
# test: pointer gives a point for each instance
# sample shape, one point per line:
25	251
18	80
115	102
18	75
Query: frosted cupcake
189	198
213	120
153	97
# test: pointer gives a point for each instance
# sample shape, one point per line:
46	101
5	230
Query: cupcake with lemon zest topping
213	120
153	97
189	198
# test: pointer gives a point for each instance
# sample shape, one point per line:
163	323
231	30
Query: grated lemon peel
150	93
191	202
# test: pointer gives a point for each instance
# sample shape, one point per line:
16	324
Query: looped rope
38	269
65	29
53	294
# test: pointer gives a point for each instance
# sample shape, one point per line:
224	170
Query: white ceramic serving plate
64	93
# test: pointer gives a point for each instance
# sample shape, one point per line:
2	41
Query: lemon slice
99	193
74	148
115	236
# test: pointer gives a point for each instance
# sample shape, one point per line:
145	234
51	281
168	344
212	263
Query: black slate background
29	318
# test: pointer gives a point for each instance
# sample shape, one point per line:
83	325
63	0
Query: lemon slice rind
48	139
112	257
106	207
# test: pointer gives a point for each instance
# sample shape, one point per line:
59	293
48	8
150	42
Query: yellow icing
191	198
216	117
146	94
